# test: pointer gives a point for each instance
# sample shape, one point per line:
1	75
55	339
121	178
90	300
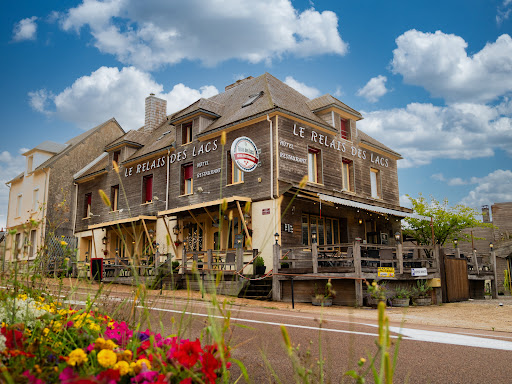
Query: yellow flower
127	355
223	138
109	344
63	243
107	358
123	367
46	331
362	360
374	284
139	365
99	343
77	357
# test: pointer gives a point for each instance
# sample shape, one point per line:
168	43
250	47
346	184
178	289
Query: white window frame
375	183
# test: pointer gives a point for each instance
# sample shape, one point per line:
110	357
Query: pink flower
67	375
32	379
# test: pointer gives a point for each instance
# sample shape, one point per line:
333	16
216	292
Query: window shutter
89	198
149	188
188	172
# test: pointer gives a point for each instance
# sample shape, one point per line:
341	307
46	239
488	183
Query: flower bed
46	343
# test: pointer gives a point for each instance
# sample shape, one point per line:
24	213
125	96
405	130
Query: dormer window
30	163
186	133
345	129
116	156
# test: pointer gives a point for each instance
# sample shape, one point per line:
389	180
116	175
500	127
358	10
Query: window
375	183
87	204
187	184
251	99
186	133
346	171
147	189
114	197
345	129
327	230
314	166
235	175
116	156
19	202
33	244
35	200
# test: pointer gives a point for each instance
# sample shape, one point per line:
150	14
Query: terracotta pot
400	302
422	301
321	301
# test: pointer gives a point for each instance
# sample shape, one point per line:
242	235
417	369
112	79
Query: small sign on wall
288	228
265	211
419	272
386	272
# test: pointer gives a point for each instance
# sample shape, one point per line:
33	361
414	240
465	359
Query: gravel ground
490	315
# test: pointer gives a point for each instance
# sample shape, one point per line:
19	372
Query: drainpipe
271	161
6	235
75	208
45	206
167	183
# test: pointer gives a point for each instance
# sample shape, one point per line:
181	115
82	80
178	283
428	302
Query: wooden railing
227	261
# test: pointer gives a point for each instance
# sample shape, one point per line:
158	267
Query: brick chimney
485	214
156	112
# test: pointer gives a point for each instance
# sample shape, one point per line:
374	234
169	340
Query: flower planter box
321	301
422	301
372	302
400	302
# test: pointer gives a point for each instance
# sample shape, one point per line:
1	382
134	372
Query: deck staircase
258	290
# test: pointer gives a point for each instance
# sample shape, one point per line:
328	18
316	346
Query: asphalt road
426	354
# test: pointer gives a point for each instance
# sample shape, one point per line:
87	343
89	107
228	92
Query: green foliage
259	262
402	292
327	292
448	222
422	289
376	291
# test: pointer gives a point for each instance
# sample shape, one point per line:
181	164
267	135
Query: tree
447	222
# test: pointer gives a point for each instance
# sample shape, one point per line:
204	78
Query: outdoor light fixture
176	230
276	237
313	237
397	237
104	240
360	221
491	245
86	257
151	233
456	242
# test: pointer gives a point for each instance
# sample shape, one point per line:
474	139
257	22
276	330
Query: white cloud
153	33
496	187
309	92
405	201
504	11
374	89
110	92
25	29
456	181
423	132
440	63
10	167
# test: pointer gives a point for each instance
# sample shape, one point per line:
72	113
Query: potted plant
422	293
375	293
177	242
401	297
285	264
175	266
259	266
323	298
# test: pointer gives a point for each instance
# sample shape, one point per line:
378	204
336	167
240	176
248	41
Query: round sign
245	154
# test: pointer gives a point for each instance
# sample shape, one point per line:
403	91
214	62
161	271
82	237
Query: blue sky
432	79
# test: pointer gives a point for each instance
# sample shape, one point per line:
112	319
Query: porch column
475	261
276	284
239	260
400	257
437	250
314	256
358	271
494	283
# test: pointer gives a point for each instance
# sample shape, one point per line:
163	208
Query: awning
121	221
203	205
368	207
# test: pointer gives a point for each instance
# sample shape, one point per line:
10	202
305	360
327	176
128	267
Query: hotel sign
245	154
386	272
419	272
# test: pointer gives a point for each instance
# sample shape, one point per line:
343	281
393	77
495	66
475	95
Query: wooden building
233	174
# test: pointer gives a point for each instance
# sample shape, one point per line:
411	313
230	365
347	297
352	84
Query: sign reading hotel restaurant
245	154
386	272
419	272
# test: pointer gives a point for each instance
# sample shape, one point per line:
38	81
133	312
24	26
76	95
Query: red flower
209	367
14	338
145	345
110	376
187	353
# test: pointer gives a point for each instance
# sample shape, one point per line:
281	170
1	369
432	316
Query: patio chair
386	257
230	261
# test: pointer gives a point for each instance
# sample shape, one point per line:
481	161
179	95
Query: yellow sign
386	272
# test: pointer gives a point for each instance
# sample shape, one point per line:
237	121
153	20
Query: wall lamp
176	230
313	237
491	245
276	238
104	240
456	242
397	237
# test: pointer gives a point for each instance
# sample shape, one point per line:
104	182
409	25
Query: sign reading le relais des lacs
245	154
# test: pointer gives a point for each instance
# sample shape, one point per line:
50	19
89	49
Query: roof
161	138
276	95
327	101
47	146
70	144
133	137
99	163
